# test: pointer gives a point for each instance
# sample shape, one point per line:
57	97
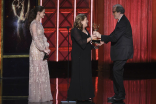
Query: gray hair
119	8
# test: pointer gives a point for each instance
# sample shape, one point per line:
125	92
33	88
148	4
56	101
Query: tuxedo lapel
116	25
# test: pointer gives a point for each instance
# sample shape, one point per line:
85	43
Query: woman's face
42	14
85	22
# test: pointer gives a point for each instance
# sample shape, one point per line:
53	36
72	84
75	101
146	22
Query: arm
116	34
45	42
28	8
97	45
35	38
47	50
14	9
22	17
77	36
22	6
105	37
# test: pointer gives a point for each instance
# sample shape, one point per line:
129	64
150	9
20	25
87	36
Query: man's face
115	14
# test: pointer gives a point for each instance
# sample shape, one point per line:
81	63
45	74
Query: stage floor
138	90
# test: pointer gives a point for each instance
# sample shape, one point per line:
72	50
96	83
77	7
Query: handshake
97	37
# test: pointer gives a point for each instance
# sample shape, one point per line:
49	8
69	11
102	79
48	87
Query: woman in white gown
39	80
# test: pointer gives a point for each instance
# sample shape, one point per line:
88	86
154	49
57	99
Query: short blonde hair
78	19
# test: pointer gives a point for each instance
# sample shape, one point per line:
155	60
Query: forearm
89	39
38	45
45	42
28	8
105	38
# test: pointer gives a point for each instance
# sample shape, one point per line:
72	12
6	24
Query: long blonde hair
78	19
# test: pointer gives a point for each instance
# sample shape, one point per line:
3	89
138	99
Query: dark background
10	44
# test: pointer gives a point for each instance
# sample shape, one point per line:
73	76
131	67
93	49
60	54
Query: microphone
68	27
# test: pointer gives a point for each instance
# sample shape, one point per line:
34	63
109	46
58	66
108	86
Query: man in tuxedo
121	49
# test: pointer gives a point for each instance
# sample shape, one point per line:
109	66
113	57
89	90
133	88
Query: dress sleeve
92	46
35	38
45	41
77	36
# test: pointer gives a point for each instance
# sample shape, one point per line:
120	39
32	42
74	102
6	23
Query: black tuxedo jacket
121	40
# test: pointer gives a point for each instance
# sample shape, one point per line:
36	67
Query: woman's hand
47	51
99	44
96	47
94	37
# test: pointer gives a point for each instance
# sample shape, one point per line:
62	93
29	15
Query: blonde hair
78	19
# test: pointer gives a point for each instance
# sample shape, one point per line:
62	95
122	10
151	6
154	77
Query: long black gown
81	86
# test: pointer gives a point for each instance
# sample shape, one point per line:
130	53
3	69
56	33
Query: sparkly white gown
39	80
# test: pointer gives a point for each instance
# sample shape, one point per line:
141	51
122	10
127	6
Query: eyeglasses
113	11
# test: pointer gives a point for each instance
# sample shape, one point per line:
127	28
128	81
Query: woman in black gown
81	87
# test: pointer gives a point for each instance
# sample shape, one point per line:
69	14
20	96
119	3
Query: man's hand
97	34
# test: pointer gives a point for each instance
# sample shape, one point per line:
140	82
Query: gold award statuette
95	28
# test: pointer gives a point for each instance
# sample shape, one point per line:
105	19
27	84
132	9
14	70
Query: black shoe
111	101
119	98
112	98
116	101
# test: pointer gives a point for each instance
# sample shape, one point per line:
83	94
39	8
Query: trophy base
95	41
